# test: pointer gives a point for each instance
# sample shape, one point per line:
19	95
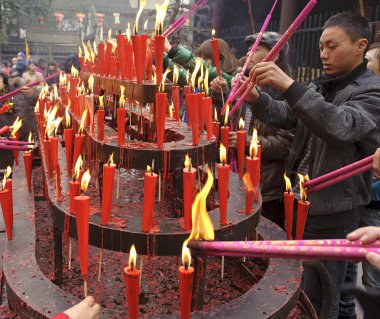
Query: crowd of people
309	129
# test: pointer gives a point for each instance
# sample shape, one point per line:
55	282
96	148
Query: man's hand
218	84
376	164
86	309
367	235
268	73
28	91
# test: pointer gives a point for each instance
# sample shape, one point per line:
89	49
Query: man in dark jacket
337	121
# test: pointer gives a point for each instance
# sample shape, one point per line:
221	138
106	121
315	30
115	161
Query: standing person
32	75
6	67
337	121
52	69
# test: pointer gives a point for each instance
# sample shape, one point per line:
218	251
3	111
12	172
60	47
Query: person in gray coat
337	122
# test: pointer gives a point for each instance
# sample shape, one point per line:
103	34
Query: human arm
276	146
86	309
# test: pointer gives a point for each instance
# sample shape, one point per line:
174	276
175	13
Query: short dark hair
356	26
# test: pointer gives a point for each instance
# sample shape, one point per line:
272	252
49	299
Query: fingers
365	234
89	301
96	311
374	259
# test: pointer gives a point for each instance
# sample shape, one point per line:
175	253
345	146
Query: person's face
14	61
51	67
373	61
261	52
32	67
338	53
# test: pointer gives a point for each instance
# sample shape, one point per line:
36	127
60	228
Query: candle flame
253	147
132	257
141	8
200	79
74	72
175	74
148	169
188	77
101	35
215	115
128	32
171	109
8	172
160	17
198	63
77	167
85	180
110	160
162	86
62	78
37	107
91	84
241	124
205	81
80	54
55	90
202	229
213	33
101	102
109	35
4	182
30	140
82	122
288	183
186	256
146	26
187	161
303	179
56	124
67	117
16	126
226	115
223	154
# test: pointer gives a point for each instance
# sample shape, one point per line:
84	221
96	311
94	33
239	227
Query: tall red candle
253	168
249	194
121	118
186	277
129	57
159	43
68	136
150	182
107	64
207	109
9	187
78	146
161	99
54	152
215	52
241	142
108	181
74	189
149	68
6	203
121	49
302	210
47	157
193	110
100	121
132	282
136	43
189	174
28	161
223	182
225	135
101	59
288	205
201	113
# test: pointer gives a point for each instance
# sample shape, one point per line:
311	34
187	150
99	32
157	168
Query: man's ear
362	46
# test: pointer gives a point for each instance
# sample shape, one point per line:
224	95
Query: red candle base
82	209
186	277
188	194
132	283
100	121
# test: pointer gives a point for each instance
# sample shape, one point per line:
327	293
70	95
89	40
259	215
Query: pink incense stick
15	142
252	249
251	53
13	93
319	242
346	169
277	48
13	147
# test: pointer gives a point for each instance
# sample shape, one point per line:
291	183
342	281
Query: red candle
74	81
4	129
101	59
216	126
187	91
225	132
223	182
288	204
78	146
132	282
160	118
215	51
129	57
121	49
186	277
82	212
68	136
9	187
108	181
201	113
54	152
193	110
189	174
207	109
107	60
159	43
136	43
121	118
249	194
100	120
149	69
144	40
74	189
28	161
302	209
41	106
6	202
47	158
150	182
241	141
253	168
175	99
112	67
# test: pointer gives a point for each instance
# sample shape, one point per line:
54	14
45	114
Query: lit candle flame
16	126
109	35
85	180
187	161
303	179
200	79
253	147
171	109
162	86
30	140
241	124
132	257
110	160
146	26
101	102
67	117
7	173
213	33
141	8
74	72
160	17
186	256
80	54
205	81
37	107
215	115
148	169
128	32
77	167
223	154
62	78
288	183
82	122
175	74
55	90
91	84
101	35
202	229
198	63
226	115
56	124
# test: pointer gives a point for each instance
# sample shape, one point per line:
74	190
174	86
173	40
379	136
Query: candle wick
190	169
186	266
132	266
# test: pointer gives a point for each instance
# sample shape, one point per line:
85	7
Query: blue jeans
337	270
371	275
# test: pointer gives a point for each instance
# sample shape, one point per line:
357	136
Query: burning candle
215	51
150	182
249	194
200	113
225	132
74	81
109	48
175	94
136	44
253	167
132	282
82	209
74	184
28	161
144	40
15	136
254	136
289	204
101	54
207	108
302	209
129	54
160	118
159	40
122	50
186	277
215	126
108	181
79	138
193	110
189	174
6	199
100	118
68	136
89	103
223	182
121	118
241	138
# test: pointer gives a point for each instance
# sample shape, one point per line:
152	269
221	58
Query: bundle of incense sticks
339	175
14	145
333	249
30	85
182	19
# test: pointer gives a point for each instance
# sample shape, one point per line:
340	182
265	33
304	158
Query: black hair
5	78
356	26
